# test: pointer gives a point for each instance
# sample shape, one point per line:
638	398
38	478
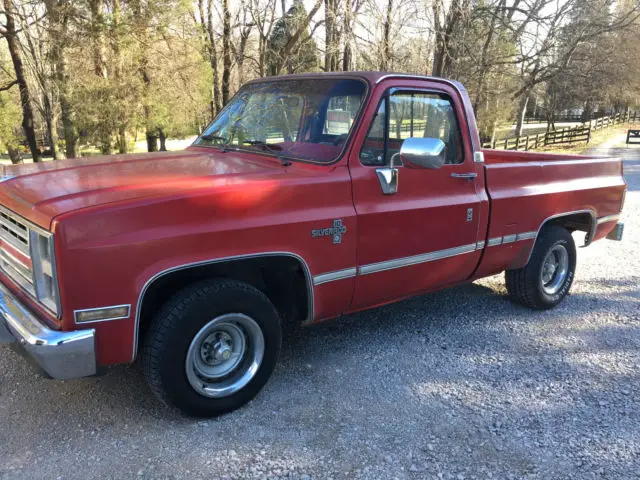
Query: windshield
307	119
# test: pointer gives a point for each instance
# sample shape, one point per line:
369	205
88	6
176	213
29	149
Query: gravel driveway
458	384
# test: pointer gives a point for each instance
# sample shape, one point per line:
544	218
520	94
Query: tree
10	33
291	47
332	35
59	12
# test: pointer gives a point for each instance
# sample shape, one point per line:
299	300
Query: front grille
14	232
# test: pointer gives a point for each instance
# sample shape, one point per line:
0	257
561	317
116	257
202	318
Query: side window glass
414	115
372	151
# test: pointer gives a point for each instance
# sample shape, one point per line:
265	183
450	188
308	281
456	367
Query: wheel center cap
222	351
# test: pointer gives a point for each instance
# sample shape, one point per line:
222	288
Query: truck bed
527	189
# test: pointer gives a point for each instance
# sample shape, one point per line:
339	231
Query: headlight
44	270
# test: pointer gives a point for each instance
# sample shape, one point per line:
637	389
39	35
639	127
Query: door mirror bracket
388	177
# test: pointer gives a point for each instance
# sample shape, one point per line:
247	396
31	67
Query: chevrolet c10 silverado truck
308	197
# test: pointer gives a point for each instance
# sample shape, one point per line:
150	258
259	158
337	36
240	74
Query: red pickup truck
308	197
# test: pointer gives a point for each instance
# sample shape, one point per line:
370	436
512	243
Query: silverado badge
336	230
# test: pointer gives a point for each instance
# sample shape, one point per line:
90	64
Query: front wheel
212	347
545	281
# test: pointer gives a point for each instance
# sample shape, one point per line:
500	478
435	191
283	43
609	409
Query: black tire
526	286
178	322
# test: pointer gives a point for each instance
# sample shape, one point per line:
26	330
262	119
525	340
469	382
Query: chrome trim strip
334	276
526	236
509	238
415	259
608	218
514	237
480	245
76	312
305	267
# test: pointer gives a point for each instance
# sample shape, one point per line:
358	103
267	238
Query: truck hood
40	192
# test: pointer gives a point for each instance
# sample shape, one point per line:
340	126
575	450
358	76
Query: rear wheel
212	347
545	281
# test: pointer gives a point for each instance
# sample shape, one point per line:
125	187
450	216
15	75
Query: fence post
588	136
526	147
517	143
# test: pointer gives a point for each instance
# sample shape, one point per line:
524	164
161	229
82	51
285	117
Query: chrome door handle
469	176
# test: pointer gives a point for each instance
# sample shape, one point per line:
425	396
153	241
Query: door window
412	114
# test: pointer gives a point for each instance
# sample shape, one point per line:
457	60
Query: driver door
423	235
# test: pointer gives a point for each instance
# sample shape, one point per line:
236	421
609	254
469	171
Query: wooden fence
567	135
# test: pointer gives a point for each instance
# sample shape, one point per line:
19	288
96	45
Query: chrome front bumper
61	355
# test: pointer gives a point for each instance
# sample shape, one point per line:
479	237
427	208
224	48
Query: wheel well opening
581	221
282	279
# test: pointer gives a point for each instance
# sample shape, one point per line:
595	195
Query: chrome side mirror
423	152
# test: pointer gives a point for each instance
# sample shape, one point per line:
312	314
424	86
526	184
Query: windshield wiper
223	146
261	143
271	147
213	137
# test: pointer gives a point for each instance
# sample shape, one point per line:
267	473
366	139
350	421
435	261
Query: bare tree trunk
226	52
18	67
331	36
152	141
242	48
213	52
522	110
445	32
117	20
386	39
163	140
14	155
99	59
51	126
98	46
347	57
59	21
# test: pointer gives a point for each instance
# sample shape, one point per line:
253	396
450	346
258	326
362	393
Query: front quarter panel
108	255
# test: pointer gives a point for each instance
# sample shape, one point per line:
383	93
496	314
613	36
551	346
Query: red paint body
120	220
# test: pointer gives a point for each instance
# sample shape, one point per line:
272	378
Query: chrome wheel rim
555	268
225	355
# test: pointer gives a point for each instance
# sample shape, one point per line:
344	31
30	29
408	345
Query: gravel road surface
457	385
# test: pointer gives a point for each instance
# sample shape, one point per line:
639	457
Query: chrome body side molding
145	287
416	259
514	237
333	276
